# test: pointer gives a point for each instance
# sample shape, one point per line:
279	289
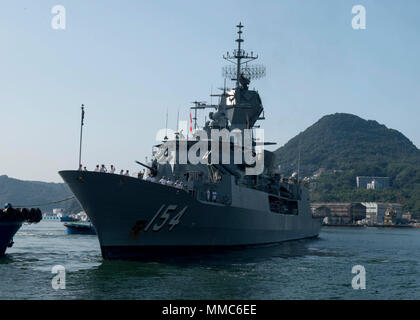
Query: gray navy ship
215	204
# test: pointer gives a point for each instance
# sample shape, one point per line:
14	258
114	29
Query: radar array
256	71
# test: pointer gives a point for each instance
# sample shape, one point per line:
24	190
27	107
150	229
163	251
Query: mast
166	126
239	54
198	105
81	133
237	58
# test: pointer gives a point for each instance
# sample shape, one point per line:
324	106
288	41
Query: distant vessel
11	220
80	227
138	219
69	218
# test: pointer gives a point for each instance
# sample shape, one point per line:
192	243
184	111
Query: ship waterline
135	218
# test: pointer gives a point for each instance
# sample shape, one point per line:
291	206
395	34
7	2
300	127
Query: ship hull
7	232
135	219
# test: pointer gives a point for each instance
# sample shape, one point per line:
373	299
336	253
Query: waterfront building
406	217
339	213
375	211
56	214
375	183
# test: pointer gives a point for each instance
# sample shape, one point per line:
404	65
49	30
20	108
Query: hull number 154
163	217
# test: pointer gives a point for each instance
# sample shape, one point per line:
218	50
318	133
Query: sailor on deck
97	168
214	196
103	169
127	173
162	180
169	182
112	169
208	195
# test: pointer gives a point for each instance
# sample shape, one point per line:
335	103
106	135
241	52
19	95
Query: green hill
348	146
20	192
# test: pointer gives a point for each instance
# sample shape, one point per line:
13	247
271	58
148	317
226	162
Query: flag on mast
190	122
83	114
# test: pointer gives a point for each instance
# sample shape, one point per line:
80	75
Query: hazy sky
130	61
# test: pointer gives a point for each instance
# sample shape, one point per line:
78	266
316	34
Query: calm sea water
309	269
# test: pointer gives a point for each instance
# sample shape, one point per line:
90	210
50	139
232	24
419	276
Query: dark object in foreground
11	219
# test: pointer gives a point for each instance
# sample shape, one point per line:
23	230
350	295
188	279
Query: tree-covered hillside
20	192
355	147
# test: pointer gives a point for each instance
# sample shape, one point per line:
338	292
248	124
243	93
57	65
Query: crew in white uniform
208	195
127	173
103	169
169	182
112	169
214	196
162	180
97	168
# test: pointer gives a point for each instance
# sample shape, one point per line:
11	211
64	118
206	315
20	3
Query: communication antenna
298	170
197	105
177	121
254	72
238	58
166	126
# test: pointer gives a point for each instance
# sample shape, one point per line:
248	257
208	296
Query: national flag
190	122
83	114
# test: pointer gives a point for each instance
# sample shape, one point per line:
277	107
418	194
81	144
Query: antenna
177	121
254	72
166	126
239	57
198	105
298	171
